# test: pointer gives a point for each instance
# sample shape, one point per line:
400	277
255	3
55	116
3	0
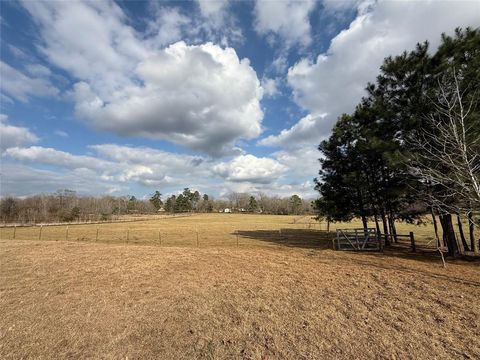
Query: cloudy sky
220	96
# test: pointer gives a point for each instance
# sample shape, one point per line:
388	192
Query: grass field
212	229
278	295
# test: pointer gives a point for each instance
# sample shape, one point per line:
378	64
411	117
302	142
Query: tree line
67	206
189	200
412	145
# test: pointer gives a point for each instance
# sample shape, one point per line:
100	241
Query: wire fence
195	233
182	235
125	219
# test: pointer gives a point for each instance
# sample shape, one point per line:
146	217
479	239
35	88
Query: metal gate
358	240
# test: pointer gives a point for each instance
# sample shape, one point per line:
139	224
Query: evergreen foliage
368	163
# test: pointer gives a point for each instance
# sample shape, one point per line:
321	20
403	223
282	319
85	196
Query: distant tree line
412	145
190	200
67	206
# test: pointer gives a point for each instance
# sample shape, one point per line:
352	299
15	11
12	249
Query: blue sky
131	97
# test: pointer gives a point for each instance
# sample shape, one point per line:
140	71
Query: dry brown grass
285	297
213	230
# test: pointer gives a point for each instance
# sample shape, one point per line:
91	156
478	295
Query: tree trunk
362	208
374	207
471	230
449	234
385	228
390	229
393	230
365	222
444	233
435	226
462	235
377	226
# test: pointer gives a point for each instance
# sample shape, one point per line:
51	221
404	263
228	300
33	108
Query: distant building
227	210
161	209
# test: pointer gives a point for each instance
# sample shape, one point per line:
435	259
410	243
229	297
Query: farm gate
358	239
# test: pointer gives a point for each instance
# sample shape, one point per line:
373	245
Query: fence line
190	237
429	245
22	225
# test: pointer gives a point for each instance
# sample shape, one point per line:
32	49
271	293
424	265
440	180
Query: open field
278	295
213	230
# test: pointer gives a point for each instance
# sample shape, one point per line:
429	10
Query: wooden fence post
66	234
14	231
159	237
128	235
237	237
412	241
197	235
96	236
40	233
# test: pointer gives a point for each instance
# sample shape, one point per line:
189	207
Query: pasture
277	291
212	229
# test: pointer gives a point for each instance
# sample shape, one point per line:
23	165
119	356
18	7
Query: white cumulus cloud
333	83
271	86
212	8
22	180
50	156
169	25
88	40
21	86
12	136
203	96
306	130
287	19
249	168
120	167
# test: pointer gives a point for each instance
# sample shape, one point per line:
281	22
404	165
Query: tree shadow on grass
432	259
299	238
322	240
428	255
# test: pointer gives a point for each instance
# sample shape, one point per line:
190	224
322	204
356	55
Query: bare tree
448	158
